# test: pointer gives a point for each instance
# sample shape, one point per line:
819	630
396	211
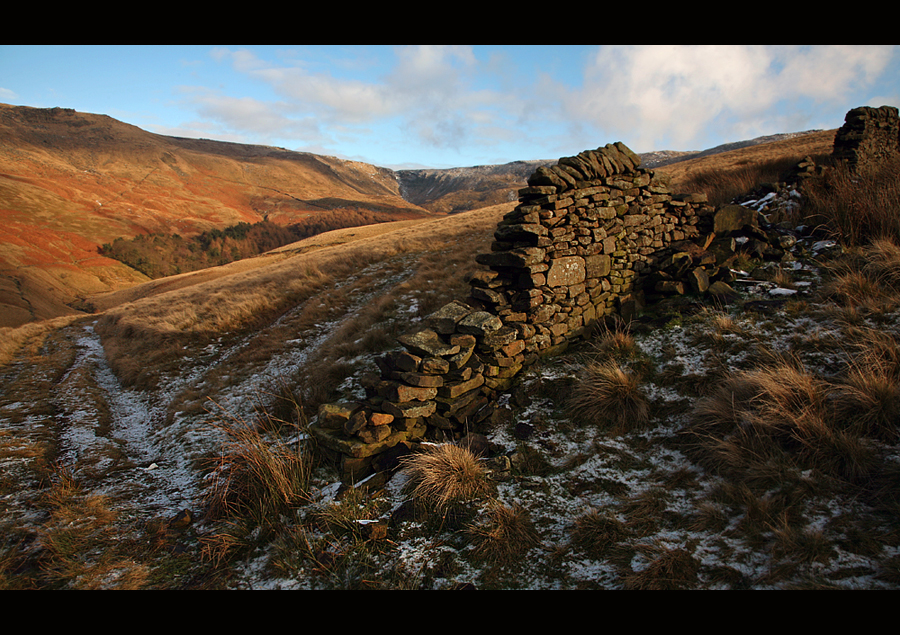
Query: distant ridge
666	157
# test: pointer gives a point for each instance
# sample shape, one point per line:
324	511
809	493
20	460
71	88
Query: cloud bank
461	98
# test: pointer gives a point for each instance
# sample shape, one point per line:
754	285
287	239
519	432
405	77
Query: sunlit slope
71	181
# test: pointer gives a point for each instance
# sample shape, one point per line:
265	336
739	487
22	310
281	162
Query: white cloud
677	94
437	96
7	94
428	91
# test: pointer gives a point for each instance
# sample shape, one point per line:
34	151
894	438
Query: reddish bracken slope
70	181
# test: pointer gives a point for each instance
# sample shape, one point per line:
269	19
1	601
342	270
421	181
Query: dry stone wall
587	237
868	136
593	235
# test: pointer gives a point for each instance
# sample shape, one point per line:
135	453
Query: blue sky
458	105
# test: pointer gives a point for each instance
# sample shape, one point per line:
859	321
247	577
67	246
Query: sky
441	106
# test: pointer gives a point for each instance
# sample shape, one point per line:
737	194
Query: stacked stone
438	385
570	253
573	248
868	136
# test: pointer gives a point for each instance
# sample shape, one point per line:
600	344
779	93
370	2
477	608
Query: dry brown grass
78	542
443	475
255	480
29	337
504	534
596	531
730	169
144	336
856	207
610	397
662	569
724	185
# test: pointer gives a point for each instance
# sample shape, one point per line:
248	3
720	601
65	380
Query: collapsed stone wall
591	236
868	136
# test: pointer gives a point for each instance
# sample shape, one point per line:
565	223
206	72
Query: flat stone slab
355	447
479	323
410	409
566	271
444	320
427	343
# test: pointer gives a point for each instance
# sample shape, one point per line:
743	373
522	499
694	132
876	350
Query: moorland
152	430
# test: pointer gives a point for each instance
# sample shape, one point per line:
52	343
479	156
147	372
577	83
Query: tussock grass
503	534
615	341
255	482
596	531
759	421
662	569
856	207
610	397
443	475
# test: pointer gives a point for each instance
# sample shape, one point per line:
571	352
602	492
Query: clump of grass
255	482
616	342
868	399
610	397
597	531
505	533
664	569
443	475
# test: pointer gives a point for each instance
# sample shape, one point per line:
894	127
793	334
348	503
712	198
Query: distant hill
71	181
460	189
455	190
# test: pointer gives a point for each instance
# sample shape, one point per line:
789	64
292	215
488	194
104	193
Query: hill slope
70	181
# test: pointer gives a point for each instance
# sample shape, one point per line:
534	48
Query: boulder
733	218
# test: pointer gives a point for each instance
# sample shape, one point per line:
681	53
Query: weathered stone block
410	408
597	266
444	320
334	416
427	343
374	434
566	271
421	380
456	389
479	323
730	218
514	258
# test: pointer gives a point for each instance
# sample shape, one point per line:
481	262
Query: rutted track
144	450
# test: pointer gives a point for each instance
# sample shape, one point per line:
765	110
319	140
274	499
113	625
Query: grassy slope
667	514
72	181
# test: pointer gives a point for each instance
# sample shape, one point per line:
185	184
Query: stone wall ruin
593	235
868	137
587	236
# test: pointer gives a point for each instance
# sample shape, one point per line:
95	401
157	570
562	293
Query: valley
134	411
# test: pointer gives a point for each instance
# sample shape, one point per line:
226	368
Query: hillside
454	190
135	442
71	181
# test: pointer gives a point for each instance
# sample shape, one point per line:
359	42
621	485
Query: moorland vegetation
752	444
